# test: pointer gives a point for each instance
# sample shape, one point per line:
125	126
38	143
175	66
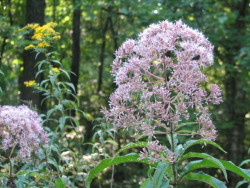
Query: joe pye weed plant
160	97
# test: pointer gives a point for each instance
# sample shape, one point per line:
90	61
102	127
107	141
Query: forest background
91	31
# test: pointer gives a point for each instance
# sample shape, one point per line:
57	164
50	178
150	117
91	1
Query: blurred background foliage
91	31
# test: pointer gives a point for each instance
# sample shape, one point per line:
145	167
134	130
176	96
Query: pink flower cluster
159	79
21	128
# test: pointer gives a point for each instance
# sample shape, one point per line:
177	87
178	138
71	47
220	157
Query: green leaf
62	122
110	162
1	72
184	124
227	164
240	183
204	156
150	171
39	72
159	173
71	86
56	62
132	145
237	170
147	184
59	183
165	184
201	141
175	139
40	64
206	179
66	73
244	162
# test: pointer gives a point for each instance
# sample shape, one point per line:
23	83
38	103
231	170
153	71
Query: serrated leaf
227	164
191	143
159	173
206	179
237	170
132	145
204	156
110	162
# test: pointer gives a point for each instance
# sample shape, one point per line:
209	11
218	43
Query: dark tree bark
102	53
76	49
76	43
34	14
114	34
108	25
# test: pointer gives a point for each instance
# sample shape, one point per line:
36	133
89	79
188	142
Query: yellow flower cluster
44	34
43	45
56	37
29	47
56	70
30	83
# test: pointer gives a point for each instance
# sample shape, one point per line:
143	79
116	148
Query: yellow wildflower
29	47
37	36
56	70
46	29
51	24
30	83
43	45
56	37
35	26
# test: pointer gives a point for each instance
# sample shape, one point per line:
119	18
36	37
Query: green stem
174	170
9	158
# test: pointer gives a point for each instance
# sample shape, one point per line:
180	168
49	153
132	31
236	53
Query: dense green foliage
79	143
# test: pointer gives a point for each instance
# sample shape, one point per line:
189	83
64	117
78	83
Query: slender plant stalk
11	167
173	150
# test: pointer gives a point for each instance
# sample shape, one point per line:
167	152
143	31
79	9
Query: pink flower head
159	79
20	127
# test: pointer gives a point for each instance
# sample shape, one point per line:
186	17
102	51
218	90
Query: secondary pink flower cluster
159	79
20	127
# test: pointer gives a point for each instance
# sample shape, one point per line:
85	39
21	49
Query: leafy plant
160	98
61	158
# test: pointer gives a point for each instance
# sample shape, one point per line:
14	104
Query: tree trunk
76	44
102	56
34	14
75	48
